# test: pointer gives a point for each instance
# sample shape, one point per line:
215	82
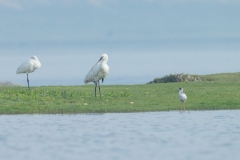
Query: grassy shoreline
207	95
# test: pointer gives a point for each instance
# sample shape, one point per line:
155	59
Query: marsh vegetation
219	93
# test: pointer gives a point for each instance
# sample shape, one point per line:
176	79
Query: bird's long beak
97	62
99	59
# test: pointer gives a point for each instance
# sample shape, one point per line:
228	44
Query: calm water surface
155	135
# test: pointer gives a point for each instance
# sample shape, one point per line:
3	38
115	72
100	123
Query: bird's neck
104	61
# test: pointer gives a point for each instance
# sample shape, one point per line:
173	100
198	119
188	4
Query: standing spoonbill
29	66
98	72
182	96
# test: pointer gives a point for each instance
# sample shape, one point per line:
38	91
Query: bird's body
98	72
29	66
182	96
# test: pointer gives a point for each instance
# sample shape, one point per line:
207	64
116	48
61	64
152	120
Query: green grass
222	77
222	92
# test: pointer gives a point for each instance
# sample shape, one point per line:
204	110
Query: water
155	135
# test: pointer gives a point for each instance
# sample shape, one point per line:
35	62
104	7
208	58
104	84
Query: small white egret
29	66
182	96
98	72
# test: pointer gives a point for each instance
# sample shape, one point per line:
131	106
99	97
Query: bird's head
35	58
103	57
180	89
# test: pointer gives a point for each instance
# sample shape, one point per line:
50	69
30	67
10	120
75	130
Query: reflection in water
154	135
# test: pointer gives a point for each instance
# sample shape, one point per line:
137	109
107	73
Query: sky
144	39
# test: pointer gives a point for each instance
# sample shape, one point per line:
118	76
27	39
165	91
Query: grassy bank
206	95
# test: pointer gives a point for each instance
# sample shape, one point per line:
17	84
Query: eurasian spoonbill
29	66
98	72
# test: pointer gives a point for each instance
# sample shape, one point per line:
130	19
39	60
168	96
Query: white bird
98	72
29	66
182	96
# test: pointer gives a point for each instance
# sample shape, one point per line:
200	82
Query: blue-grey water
185	135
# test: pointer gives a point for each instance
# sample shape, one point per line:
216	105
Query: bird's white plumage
182	96
99	71
29	65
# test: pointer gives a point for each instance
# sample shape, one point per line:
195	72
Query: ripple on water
166	135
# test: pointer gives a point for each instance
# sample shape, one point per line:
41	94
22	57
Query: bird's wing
182	97
96	69
185	96
93	73
89	77
25	67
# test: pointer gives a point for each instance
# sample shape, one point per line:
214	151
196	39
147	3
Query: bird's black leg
27	80
95	88
99	90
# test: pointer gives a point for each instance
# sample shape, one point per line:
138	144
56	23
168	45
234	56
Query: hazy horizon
144	39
